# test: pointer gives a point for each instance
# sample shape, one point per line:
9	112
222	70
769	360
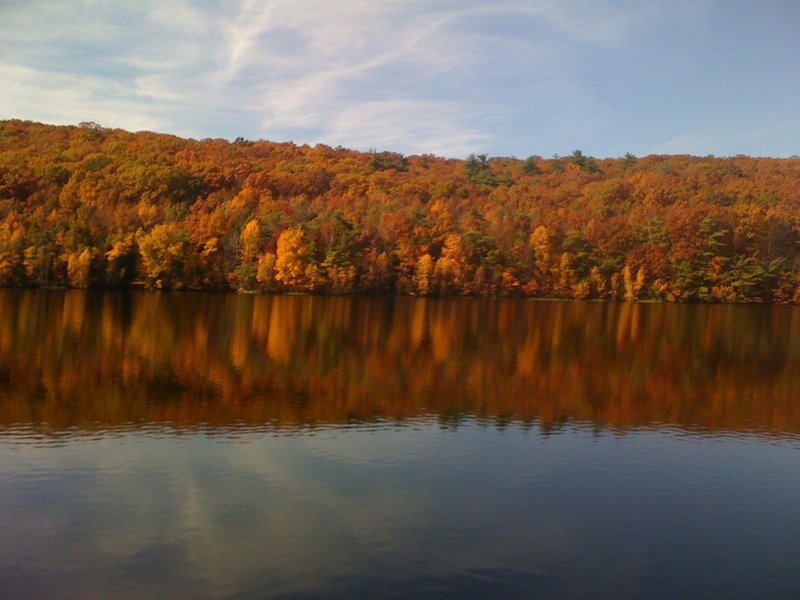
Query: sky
503	78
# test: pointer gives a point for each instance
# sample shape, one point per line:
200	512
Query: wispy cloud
450	77
60	98
350	72
443	128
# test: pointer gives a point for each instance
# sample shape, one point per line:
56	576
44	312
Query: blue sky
449	78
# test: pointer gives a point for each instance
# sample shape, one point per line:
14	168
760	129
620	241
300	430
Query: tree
633	285
11	252
249	248
479	171
250	241
376	272
265	271
165	256
79	266
585	163
531	166
295	267
451	270
121	261
93	206
628	161
556	164
542	249
423	275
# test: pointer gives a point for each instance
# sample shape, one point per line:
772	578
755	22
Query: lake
193	445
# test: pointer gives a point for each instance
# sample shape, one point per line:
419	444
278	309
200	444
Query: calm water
215	445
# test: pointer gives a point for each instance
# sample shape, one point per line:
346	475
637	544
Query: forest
87	206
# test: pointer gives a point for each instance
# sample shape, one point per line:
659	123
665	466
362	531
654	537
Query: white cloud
410	75
54	97
342	69
442	128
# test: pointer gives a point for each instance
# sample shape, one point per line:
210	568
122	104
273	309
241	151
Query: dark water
202	445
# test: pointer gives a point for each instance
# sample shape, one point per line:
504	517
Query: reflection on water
167	445
98	360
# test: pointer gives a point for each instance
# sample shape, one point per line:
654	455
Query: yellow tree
79	266
598	283
294	265
451	268
423	275
542	253
121	260
542	249
10	250
566	273
633	285
265	270
250	241
165	255
245	275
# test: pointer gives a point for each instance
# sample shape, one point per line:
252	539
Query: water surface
218	445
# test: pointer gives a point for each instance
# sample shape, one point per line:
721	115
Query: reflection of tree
91	360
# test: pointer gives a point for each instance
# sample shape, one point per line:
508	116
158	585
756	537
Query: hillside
85	206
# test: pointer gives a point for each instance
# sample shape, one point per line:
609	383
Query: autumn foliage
85	206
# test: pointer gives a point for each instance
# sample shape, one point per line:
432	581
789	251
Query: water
215	445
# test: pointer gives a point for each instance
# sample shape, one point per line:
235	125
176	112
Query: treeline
87	206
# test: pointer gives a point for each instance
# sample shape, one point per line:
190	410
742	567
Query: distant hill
86	206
